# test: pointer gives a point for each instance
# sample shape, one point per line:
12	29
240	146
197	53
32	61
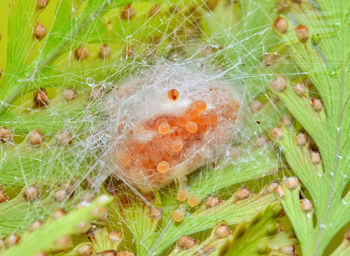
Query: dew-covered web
125	87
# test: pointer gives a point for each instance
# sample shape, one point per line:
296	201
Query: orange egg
200	105
191	113
163	167
191	127
164	128
173	94
177	145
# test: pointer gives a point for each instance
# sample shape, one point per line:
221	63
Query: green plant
63	63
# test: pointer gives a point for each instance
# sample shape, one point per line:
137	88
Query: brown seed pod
269	59
105	51
315	157
39	31
256	105
222	231
260	141
81	53
279	84
3	196
301	139
316	104
128	12
12	240
277	132
292	183
5	134
99	213
288	250
186	242
306	205
60	195
42	3
281	25
31	194
178	215
64	242
82	227
212	201
155	213
107	253
300	89
211	4
282	6
115	236
35	225
243	193
193	201
271	187
59	213
125	253
64	139
182	195
85	250
69	94
280	191
41	98
36	138
302	33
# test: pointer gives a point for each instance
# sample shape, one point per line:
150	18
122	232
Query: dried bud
306	205
69	94
269	59
288	250
59	213
60	195
315	157
12	240
182	195
128	12
279	84
115	236
212	201
35	225
261	141
41	99
280	191
42	3
193	201
302	33
281	25
222	231
39	31
277	132
186	242
81	53
155	213
256	105
85	250
31	194
178	215
316	104
243	193
105	51
300	89
301	139
292	183
64	139
36	138
5	134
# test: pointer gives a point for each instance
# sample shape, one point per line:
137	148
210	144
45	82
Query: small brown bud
115	236
286	120
222	231
68	187
12	239
306	205
64	139
99	213
64	242
269	59
260	141
128	12
212	201
178	215
39	31
155	213
42	3
280	191
212	4
81	53
5	134
85	250
186	242
31	194
83	226
182	195
302	33
301	139
36	138
315	157
60	195
316	104
59	213
300	89
69	94
126	254
35	225
281	25
256	105
105	51
41	98
3	196
271	187
277	132
282	6
193	201
279	84
292	183
288	250
243	193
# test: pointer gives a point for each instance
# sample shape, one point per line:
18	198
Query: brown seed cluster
39	31
5	134
281	25
41	98
186	242
81	53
